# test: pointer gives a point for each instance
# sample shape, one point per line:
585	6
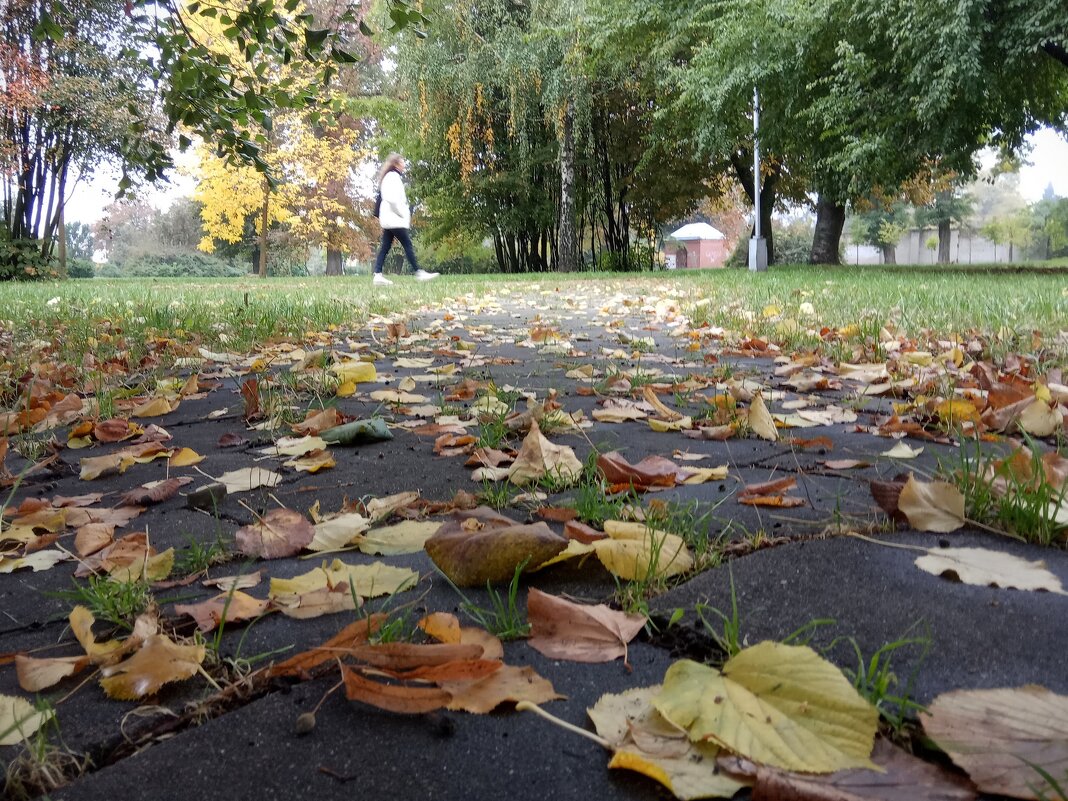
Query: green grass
114	602
502	616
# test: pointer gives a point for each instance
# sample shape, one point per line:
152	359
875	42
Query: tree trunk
1010	251
827	239
889	254
263	228
335	262
61	240
568	253
945	234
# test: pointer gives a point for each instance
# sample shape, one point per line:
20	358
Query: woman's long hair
391	162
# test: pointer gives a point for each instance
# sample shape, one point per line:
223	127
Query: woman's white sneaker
423	275
381	280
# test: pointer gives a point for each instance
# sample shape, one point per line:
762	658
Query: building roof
698	230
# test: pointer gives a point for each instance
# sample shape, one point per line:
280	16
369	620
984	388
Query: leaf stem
526	706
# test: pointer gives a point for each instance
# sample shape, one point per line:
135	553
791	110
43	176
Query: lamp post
758	245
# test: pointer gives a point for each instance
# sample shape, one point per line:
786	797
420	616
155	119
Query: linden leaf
1040	419
506	684
228	607
644	742
337	532
479	546
781	705
313	461
154	408
185	457
159	661
19	719
561	629
368	581
538	457
999	737
279	533
761	421
248	478
97	466
984	567
932	506
407	537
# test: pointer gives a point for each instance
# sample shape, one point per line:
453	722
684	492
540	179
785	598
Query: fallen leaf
92	537
115	430
405	699
295	446
986	568
158	661
774	501
902	451
774	487
35	675
317	422
642	741
229	607
278	534
561	629
19	719
248	478
780	705
509	684
154	407
1040	419
538	457
185	457
652	471
158	492
845	464
98	466
932	505
313	461
231	440
478	546
761	421
633	551
368	581
400	538
338	531
997	735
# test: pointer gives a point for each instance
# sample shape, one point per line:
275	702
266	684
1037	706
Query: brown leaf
114	430
92	537
408	656
250	393
228	607
403	698
465	671
886	494
479	546
353	634
652	471
317	422
488	457
776	487
997	735
776	501
561	629
539	457
158	493
278	534
574	530
442	626
35	675
932	505
61	501
231	440
904	778
557	514
509	684
159	661
844	464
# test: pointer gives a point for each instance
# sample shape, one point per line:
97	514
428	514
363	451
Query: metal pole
756	163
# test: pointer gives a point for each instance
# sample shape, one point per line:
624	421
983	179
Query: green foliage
81	268
174	265
876	681
21	259
115	602
502	617
79	241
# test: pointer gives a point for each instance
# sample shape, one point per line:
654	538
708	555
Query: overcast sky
1049	164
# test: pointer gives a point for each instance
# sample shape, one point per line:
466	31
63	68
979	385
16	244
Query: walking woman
395	218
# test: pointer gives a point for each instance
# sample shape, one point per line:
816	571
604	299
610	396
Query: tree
79	240
1018	230
881	224
948	205
994	230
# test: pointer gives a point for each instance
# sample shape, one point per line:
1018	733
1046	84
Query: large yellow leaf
509	683
761	421
633	551
1040	419
406	537
248	478
781	705
644	742
81	624
354	371
159	661
154	407
932	505
337	532
97	466
19	719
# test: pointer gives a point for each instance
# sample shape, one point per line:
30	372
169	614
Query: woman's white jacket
394	212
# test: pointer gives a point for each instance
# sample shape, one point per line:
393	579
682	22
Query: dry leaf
761	421
313	461
932	506
317	422
538	457
652	471
983	567
402	698
478	546
642	741
248	478
780	705
230	607
185	457
997	735
98	466
154	407
338	531
35	675
560	629
368	581
19	719
902	451
278	534
159	661
509	684
157	492
400	538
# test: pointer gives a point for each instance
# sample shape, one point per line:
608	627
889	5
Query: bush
178	264
454	258
637	258
20	260
81	268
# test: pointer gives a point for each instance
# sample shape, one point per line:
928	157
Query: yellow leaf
902	451
932	506
97	466
81	624
154	568
633	551
406	537
346	389
699	475
957	411
337	532
780	705
539	457
394	396
76	443
771	310
185	457
355	372
1040	419
761	421
369	581
661	426
154	408
313	461
19	719
159	661
644	742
